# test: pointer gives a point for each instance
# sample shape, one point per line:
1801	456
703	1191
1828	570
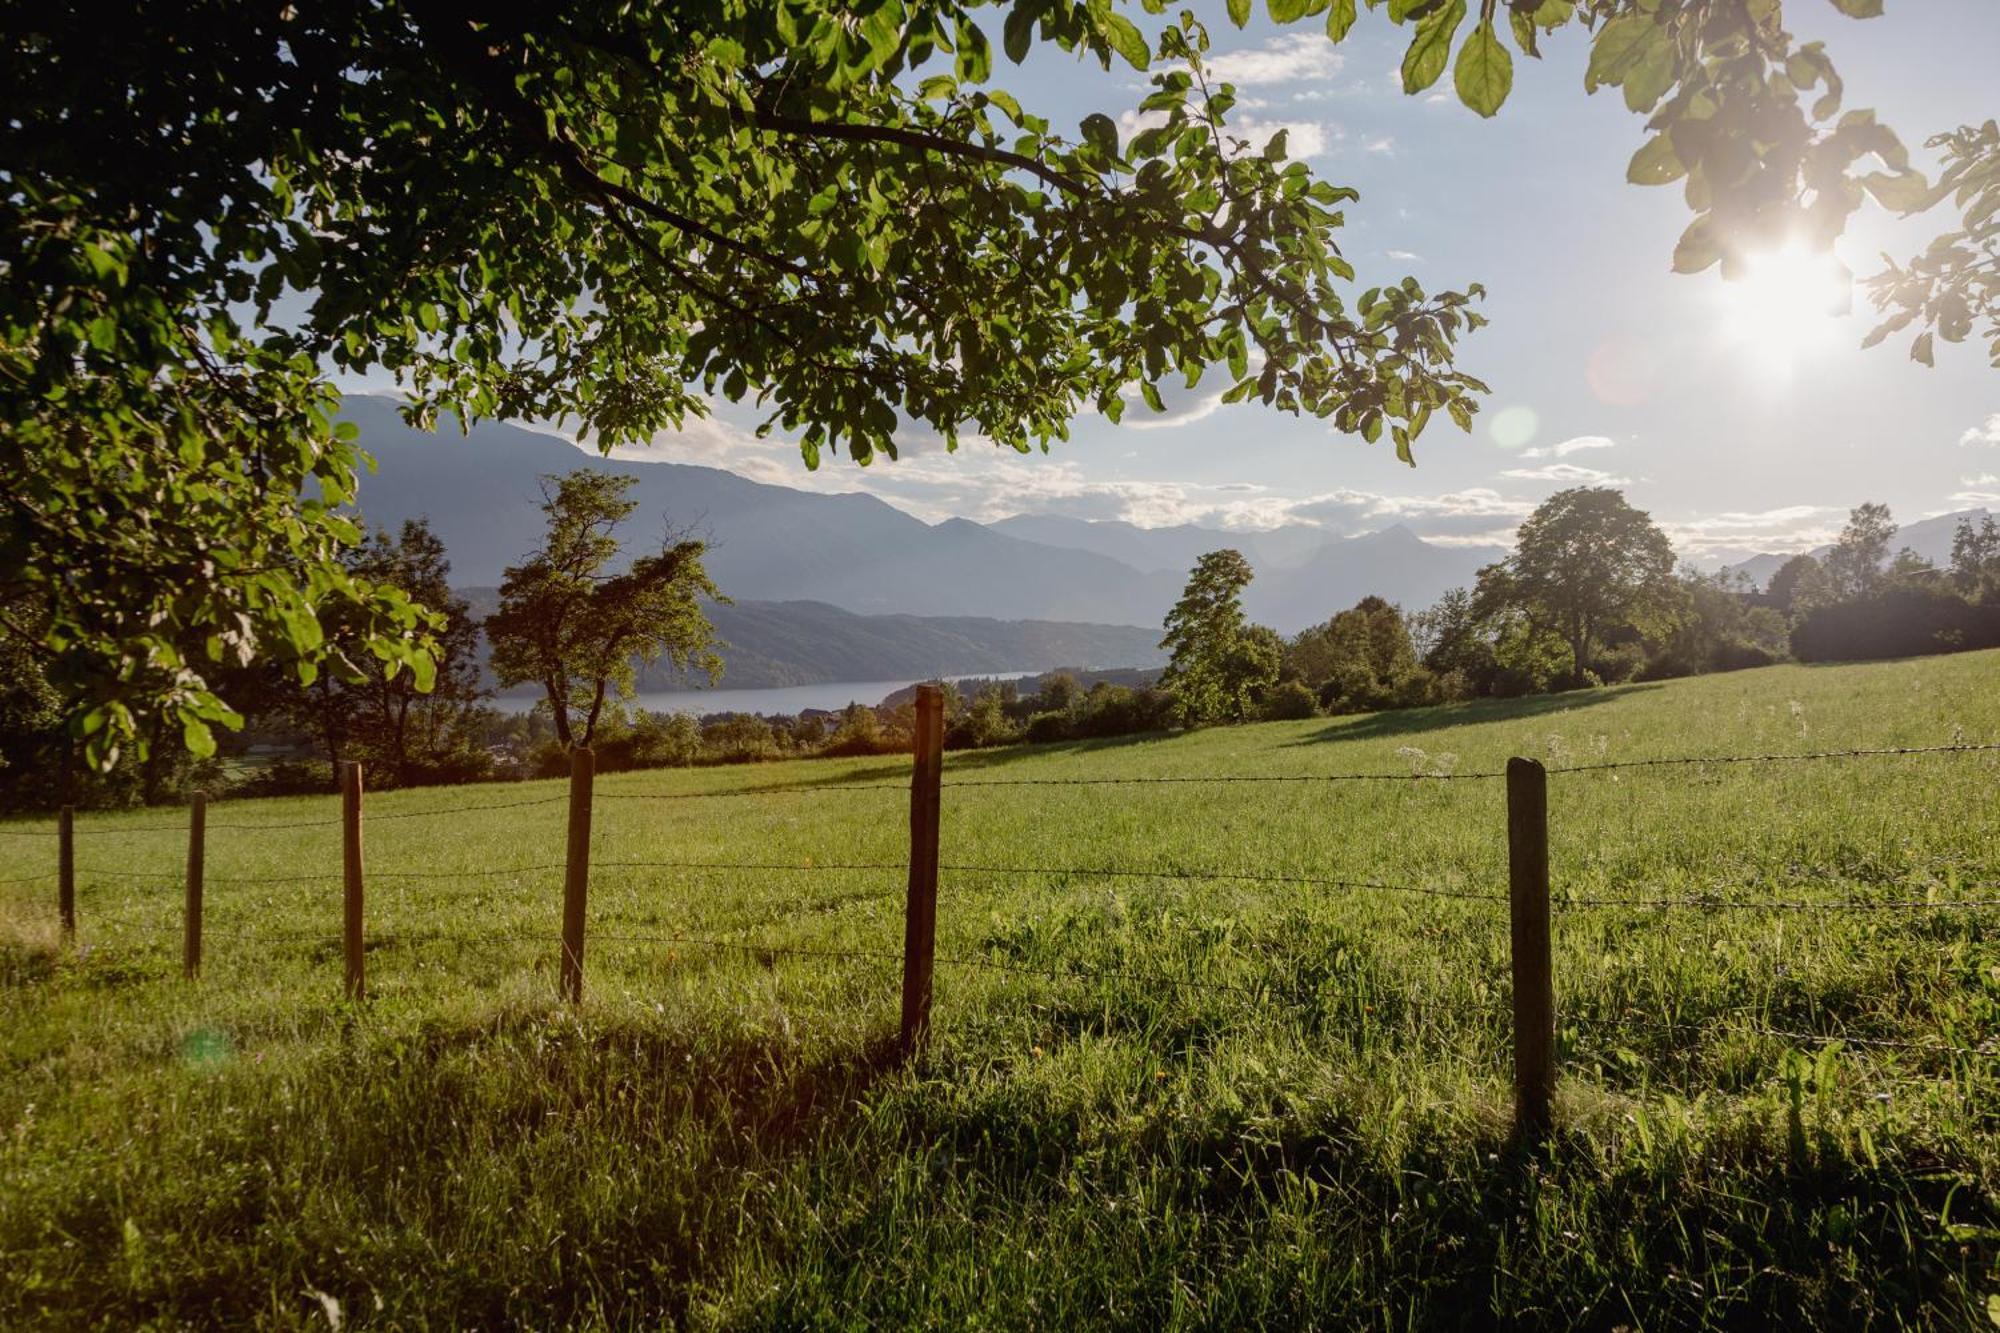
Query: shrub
1046	727
1289	701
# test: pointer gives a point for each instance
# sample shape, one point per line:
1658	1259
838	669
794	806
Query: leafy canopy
606	213
600	213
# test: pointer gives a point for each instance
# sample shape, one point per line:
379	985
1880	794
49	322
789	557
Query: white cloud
1571	446
1976	499
1406	256
1386	145
1472	517
1987	433
1291	58
1144	418
1982	479
1567	473
1786	530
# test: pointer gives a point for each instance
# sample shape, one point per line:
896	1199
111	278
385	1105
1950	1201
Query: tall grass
1150	1100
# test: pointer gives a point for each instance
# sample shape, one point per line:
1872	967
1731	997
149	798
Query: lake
787	699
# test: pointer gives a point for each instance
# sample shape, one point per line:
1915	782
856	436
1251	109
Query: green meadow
1164	1097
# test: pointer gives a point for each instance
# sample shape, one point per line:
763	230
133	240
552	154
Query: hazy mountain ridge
861	555
1928	537
769	645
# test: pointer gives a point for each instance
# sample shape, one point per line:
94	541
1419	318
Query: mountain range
1928	537
805	567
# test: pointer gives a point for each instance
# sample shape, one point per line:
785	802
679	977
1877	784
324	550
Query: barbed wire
1220	877
1785	904
1879	752
726	792
1222	779
795	866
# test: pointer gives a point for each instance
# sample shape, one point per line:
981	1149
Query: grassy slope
720	1140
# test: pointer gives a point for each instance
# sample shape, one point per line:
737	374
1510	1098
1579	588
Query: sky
1743	420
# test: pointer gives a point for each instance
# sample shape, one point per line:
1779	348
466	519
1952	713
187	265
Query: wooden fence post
350	844
920	909
576	877
197	832
66	870
1534	982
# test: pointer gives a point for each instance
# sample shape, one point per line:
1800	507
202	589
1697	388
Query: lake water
789	699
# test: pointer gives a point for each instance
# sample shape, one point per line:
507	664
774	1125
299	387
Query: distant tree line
1589	596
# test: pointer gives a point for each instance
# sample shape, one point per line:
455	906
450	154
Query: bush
1046	727
1904	620
1289	701
983	724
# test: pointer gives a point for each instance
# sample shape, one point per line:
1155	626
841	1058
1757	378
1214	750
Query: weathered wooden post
1534	983
197	832
920	909
350	842
66	870
576	877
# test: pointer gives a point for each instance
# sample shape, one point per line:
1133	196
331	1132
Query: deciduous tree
571	626
1220	662
1585	562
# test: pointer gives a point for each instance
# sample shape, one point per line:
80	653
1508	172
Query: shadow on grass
1417	721
896	768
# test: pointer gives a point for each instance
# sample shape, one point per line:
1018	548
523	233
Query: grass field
1151	1100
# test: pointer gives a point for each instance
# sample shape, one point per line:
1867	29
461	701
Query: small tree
417	733
1975	558
1587	562
1219	666
567	625
1854	565
1362	659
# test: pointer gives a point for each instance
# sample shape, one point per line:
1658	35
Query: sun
1786	305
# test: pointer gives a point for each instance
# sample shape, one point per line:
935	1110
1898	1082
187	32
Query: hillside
767	645
1236	1053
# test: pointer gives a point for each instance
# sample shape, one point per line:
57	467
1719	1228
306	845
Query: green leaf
1340	19
1430	49
1127	40
1906	192
1239	12
1017	35
1859	9
1656	163
1485	72
200	741
1699	246
1617	45
1921	350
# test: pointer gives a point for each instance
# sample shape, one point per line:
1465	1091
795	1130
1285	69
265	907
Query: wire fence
1527	896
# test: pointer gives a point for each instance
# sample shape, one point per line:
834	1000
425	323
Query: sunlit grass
1310	1127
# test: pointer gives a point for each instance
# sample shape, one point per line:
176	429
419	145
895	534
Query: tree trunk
596	706
559	710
